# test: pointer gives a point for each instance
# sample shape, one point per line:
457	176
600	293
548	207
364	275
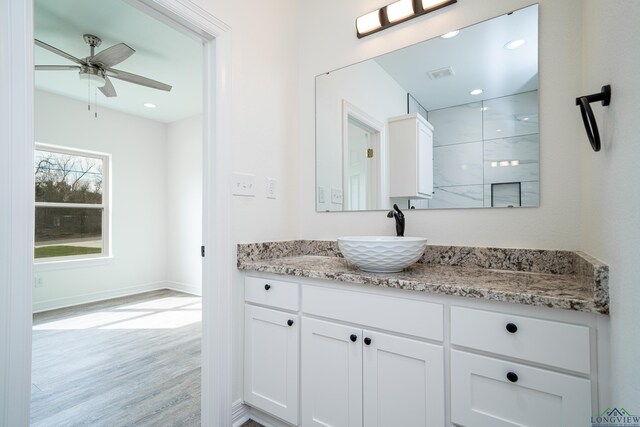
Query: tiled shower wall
483	143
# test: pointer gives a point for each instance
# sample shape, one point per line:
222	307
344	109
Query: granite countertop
558	279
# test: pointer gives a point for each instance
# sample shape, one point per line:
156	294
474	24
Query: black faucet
399	216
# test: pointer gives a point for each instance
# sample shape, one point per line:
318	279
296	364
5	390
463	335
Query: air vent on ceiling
440	73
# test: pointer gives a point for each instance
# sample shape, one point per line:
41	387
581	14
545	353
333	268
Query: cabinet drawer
273	293
483	396
411	317
551	343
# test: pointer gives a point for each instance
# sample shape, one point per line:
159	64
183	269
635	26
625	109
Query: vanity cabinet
366	356
357	377
410	157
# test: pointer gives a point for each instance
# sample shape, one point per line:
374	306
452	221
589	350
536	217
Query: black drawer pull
353	337
290	322
367	341
512	328
511	376
267	287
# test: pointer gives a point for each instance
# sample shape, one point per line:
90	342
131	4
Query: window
71	204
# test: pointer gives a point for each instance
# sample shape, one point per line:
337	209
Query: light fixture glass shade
93	79
399	10
369	22
430	4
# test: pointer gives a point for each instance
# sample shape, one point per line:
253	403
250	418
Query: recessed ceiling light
476	92
450	34
150	105
498	130
514	44
525	118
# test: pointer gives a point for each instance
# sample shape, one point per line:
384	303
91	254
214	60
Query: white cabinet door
488	392
403	382
271	362
425	160
331	374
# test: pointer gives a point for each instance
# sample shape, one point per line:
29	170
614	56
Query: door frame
16	198
350	110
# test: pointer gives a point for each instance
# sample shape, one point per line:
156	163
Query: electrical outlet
38	282
320	194
271	188
243	184
336	196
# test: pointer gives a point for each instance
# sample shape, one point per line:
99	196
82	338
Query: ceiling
162	53
478	59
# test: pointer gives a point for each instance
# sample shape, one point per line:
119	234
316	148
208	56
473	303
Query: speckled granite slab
559	279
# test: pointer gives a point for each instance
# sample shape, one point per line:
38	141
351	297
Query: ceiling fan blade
58	52
139	80
108	90
112	56
56	67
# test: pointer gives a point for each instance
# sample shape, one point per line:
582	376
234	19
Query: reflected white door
363	169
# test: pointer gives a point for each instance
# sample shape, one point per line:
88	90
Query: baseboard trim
57	303
239	413
183	287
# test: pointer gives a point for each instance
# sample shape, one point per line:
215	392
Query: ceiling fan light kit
97	68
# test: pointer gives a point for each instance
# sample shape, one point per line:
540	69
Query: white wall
369	88
138	204
184	204
265	120
611	200
328	41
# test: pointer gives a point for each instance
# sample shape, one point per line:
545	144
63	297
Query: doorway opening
18	157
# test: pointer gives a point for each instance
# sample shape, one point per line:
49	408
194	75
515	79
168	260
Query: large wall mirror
451	122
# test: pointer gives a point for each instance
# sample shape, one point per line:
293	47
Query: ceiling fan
97	67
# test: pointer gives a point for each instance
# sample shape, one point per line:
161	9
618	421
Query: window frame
105	205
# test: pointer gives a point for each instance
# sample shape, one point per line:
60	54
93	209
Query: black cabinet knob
353	337
367	340
511	376
290	322
267	287
512	328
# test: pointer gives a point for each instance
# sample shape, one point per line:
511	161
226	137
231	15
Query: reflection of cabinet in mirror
410	157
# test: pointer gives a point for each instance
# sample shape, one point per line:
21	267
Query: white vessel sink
382	254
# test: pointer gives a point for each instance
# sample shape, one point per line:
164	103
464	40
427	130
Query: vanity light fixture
494	164
514	44
150	105
504	163
450	34
476	92
514	162
395	13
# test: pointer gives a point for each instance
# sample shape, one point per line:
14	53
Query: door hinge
202	251
370	153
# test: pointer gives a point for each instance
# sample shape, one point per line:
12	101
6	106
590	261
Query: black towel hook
588	118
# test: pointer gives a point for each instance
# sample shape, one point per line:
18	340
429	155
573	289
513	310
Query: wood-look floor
131	361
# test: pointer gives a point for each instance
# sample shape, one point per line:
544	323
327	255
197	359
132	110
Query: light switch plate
271	188
38	281
321	195
336	196
243	184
